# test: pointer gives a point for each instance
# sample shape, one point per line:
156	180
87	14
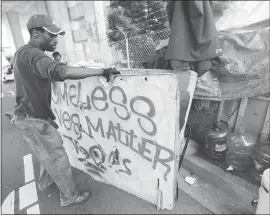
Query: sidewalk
106	199
109	199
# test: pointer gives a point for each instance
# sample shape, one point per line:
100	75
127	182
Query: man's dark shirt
33	72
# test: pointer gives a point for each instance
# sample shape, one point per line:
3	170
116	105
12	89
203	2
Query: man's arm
57	71
75	73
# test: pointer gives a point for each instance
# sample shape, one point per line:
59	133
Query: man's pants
47	144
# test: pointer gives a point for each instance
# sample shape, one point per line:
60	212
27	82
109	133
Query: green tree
137	19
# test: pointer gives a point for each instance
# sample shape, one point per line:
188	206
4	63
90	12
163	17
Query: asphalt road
16	179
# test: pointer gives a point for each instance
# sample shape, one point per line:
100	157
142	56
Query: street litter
230	168
190	180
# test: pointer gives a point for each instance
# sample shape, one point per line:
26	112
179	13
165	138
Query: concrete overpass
83	21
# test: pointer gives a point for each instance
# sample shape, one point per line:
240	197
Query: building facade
83	21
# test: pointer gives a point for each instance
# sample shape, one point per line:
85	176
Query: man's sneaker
81	197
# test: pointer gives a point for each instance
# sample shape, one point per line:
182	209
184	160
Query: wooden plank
241	114
220	110
266	127
186	96
229	112
262	98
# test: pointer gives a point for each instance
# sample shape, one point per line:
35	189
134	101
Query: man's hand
109	71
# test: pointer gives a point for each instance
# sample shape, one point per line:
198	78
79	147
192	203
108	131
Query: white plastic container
263	206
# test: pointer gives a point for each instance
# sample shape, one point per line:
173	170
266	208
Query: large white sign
123	132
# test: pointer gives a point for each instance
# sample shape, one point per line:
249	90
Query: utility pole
127	50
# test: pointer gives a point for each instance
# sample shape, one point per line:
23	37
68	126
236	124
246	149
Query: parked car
7	71
7	74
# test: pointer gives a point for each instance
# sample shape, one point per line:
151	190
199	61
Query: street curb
229	188
205	194
27	197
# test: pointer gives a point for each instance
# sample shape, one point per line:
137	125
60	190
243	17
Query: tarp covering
243	69
237	14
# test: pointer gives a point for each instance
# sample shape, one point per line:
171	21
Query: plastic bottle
240	149
263	206
262	157
215	141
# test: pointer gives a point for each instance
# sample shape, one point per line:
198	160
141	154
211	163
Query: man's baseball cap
44	21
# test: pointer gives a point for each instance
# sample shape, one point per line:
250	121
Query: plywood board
125	133
241	114
266	127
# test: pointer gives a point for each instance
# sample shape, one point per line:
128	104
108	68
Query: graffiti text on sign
98	156
141	146
72	95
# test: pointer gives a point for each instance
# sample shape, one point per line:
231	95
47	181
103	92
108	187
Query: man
57	56
193	42
34	71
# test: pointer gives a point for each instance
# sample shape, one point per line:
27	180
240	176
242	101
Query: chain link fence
138	48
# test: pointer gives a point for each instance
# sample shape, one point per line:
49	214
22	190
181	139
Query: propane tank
240	149
215	141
